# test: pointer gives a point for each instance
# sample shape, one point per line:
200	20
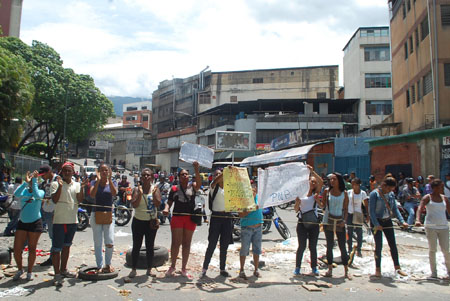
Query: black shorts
35	226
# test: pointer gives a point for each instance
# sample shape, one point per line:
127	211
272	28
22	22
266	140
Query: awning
296	153
237	155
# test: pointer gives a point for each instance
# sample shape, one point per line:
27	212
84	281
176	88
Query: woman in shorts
181	224
30	225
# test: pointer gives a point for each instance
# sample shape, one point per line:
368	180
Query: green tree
16	94
60	91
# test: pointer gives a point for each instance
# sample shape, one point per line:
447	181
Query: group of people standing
343	212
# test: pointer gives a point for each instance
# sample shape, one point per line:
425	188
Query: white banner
281	184
194	152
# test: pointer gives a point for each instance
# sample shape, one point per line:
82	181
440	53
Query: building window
378	80
419	93
424	28
445	15
131	109
145	118
384	32
408	4
211	139
413	94
204	98
427	84
376	54
378	107
131	118
408	102
416	36
321	95
258	80
406	50
447	74
144	108
233	98
404	10
292	73
411	46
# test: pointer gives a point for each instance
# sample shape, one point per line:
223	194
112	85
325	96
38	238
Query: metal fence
21	163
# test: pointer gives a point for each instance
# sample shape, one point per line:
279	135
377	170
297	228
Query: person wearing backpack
308	222
220	225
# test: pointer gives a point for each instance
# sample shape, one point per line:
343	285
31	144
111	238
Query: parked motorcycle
122	213
83	219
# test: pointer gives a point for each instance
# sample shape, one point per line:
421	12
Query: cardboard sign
194	152
238	190
281	184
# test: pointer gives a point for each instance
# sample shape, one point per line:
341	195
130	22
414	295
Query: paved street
277	280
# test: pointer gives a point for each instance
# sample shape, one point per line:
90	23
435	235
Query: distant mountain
119	101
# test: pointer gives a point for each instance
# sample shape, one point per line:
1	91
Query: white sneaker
29	276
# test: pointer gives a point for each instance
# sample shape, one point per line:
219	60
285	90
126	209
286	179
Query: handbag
154	224
103	217
358	217
196	216
309	218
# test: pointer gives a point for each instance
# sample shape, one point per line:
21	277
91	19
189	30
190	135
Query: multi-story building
138	114
10	15
367	74
420	43
267	103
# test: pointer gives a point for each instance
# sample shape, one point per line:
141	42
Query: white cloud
129	46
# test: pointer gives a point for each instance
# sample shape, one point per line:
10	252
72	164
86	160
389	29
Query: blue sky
129	46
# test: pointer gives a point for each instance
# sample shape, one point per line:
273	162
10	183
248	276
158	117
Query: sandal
186	274
170	272
401	273
256	274
328	274
348	276
242	275
107	269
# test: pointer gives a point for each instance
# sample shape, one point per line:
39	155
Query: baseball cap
44	169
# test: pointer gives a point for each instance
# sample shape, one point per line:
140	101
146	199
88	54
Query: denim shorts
62	236
251	235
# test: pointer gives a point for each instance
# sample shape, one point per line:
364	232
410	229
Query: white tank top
435	217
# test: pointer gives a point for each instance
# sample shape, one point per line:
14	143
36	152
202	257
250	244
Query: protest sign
281	184
238	190
194	152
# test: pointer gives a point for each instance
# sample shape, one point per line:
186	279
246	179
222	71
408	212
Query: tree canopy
59	90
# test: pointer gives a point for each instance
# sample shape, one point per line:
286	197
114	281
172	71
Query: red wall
402	153
323	148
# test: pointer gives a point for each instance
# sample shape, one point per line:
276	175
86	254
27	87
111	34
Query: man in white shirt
219	226
66	194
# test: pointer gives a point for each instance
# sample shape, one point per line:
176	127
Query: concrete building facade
420	42
367	74
267	103
10	15
138	114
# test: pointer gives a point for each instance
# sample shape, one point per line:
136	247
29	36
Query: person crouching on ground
436	225
145	201
30	223
103	190
220	225
182	196
251	233
66	194
308	230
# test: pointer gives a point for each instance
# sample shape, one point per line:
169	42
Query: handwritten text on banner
238	190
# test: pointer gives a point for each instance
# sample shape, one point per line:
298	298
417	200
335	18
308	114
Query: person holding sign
183	198
220	225
336	204
251	232
308	222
